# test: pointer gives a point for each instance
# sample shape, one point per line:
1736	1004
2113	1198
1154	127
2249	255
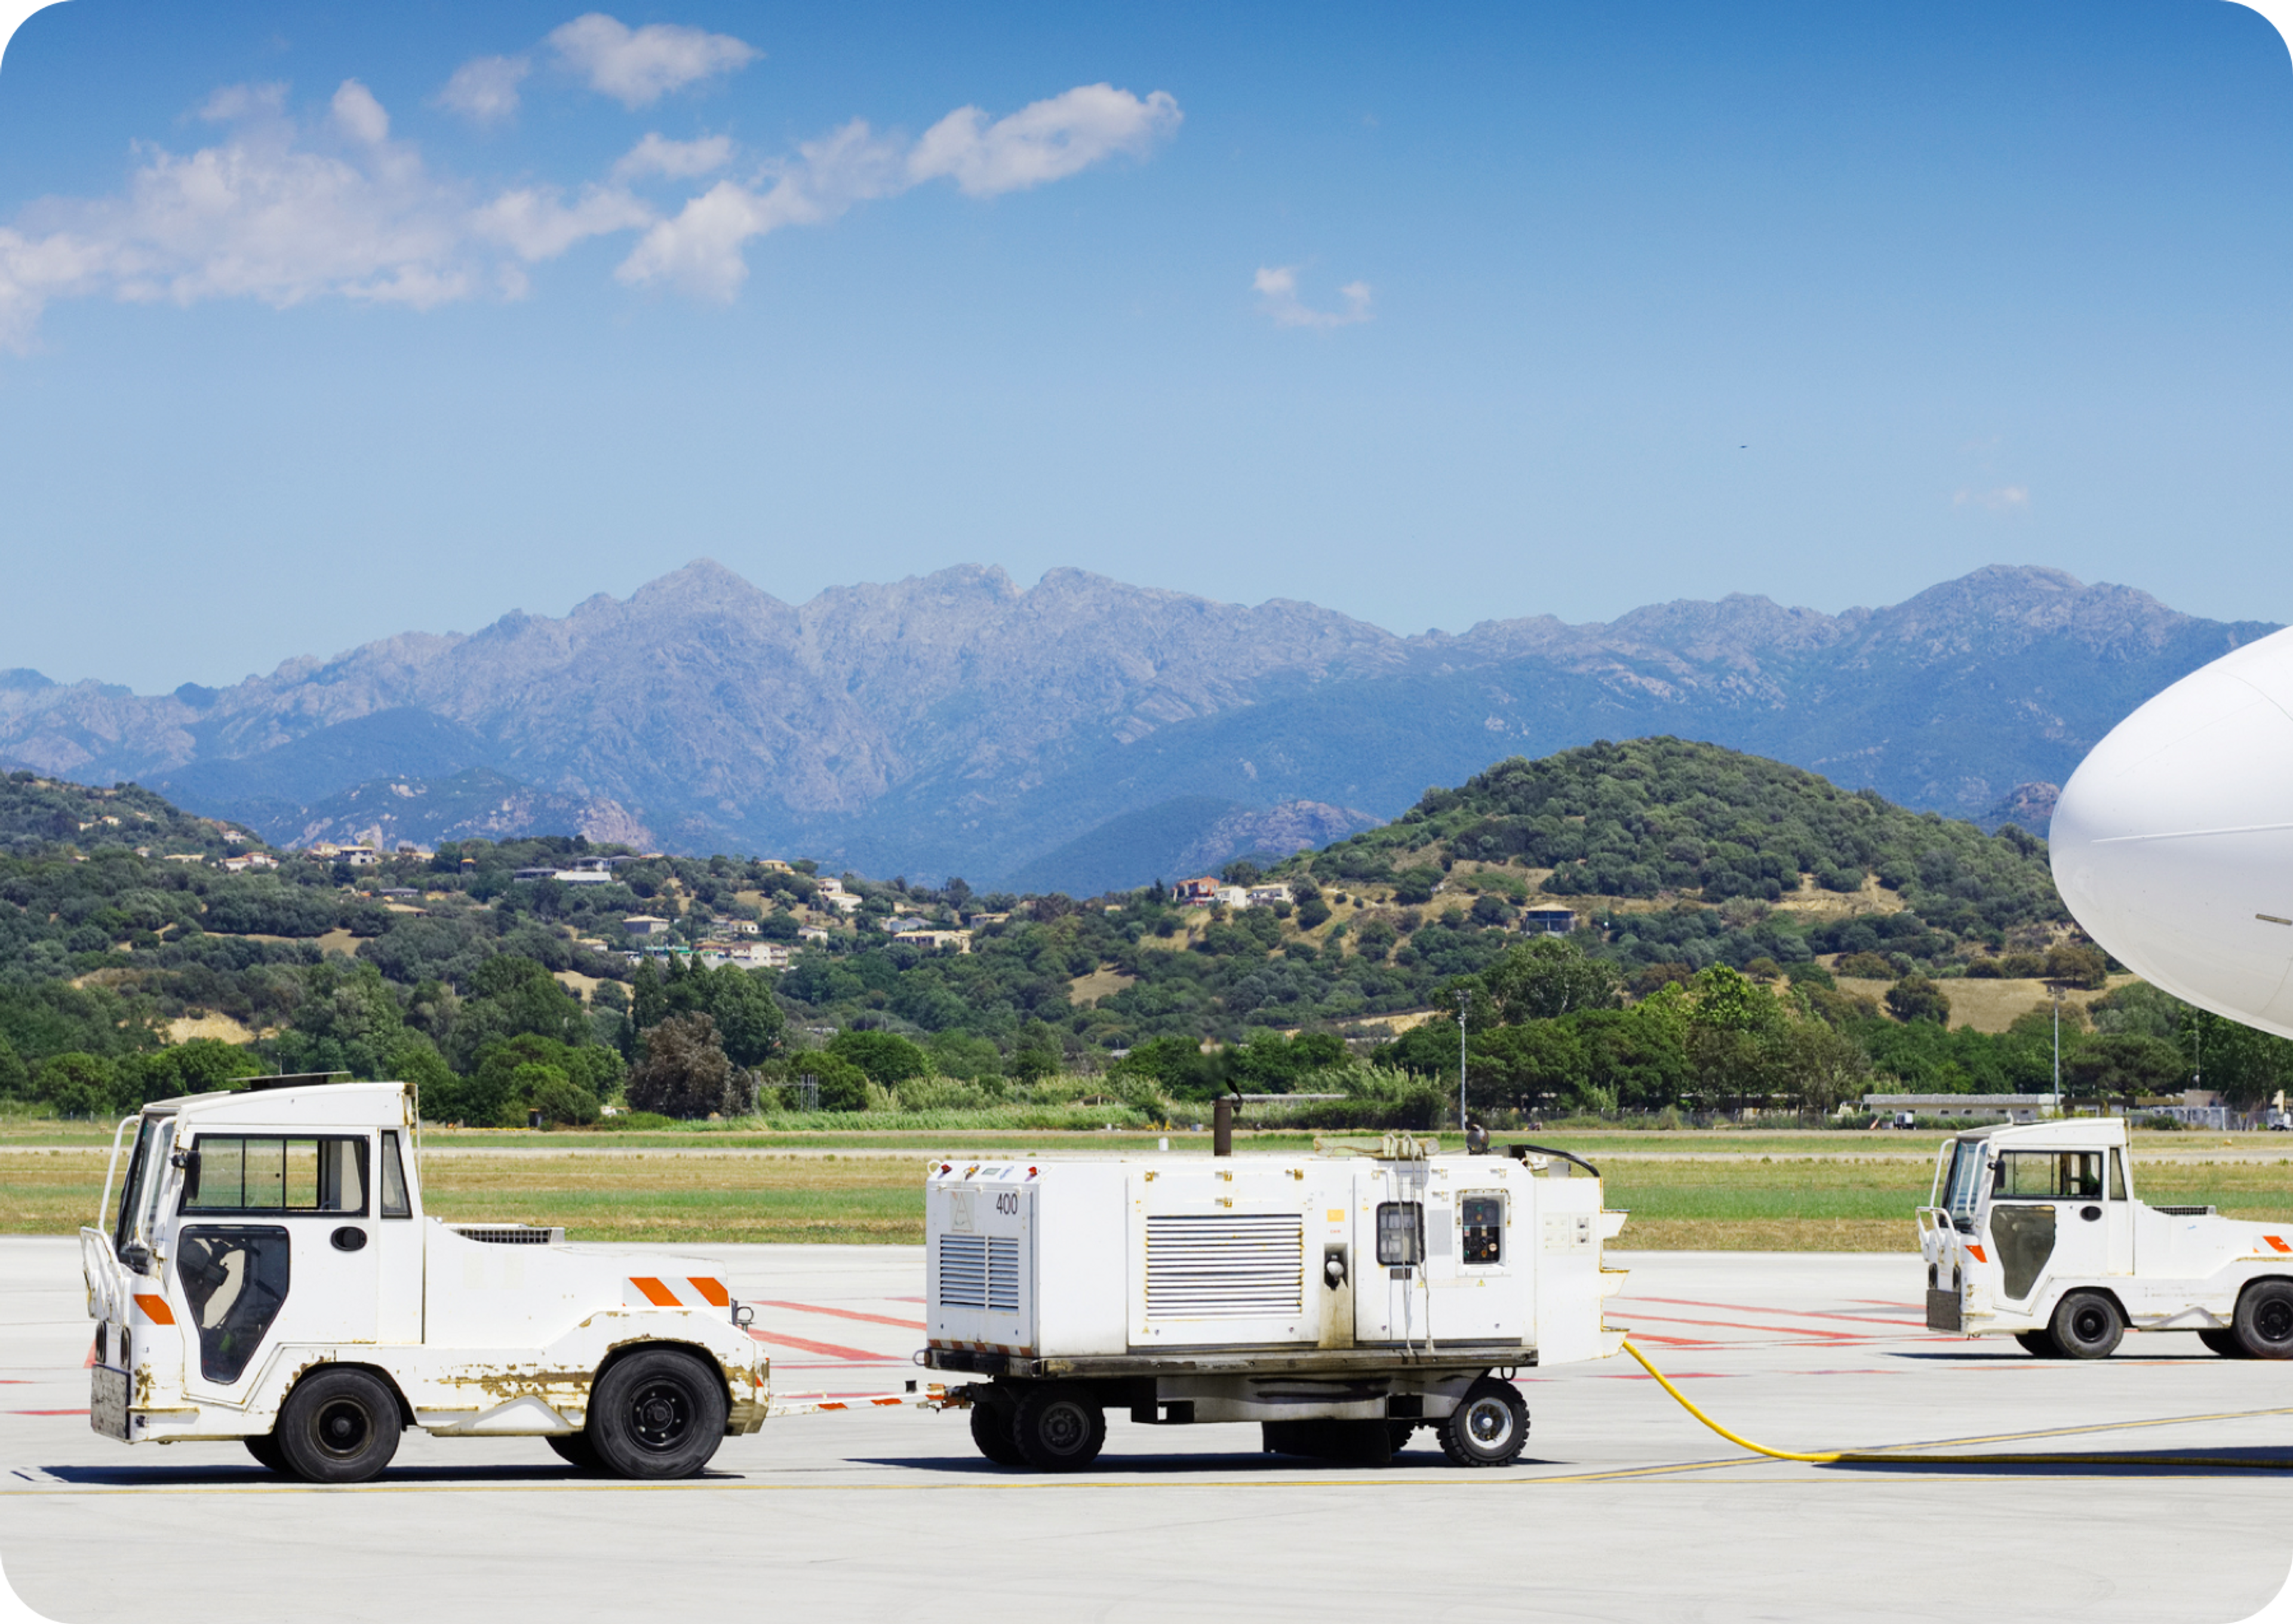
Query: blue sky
321	324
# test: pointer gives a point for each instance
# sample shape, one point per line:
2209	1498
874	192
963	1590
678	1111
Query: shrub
685	1072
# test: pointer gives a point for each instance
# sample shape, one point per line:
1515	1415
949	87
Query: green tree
1547	978
1527	1066
2125	1066
685	1072
887	1058
1914	998
78	1085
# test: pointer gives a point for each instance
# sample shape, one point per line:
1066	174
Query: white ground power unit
1342	1302
268	1275
2036	1231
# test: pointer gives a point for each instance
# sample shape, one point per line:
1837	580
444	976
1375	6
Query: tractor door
2049	1219
275	1245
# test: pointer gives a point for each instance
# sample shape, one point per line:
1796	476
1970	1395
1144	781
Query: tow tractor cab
2036	1231
268	1275
1340	1302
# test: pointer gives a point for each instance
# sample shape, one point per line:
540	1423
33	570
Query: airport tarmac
1623	1507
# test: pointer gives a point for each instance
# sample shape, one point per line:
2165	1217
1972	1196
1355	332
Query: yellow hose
1741	1443
1899	1457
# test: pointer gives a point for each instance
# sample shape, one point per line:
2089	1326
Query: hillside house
1548	921
960	941
1267	896
898	923
640	927
812	932
746	955
1196	892
733	928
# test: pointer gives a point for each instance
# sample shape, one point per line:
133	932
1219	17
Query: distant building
774	865
734	927
583	876
640	926
1267	896
842	901
976	920
812	932
898	923
187	857
960	941
1196	893
1548	921
1233	896
745	954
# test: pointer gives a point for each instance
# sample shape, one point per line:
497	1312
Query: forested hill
1655	818
37	814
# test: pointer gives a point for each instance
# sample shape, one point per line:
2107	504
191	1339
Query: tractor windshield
1964	1185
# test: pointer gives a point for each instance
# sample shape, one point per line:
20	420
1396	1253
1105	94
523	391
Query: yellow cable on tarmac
1900	1458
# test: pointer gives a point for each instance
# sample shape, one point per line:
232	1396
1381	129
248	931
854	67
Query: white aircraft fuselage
2173	842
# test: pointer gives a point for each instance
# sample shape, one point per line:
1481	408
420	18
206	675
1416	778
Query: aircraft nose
2173	842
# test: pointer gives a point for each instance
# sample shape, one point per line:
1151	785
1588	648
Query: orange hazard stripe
1978	1257
712	1291
154	1308
657	1294
2278	1243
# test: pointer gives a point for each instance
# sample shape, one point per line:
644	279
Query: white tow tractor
1342	1302
2034	1232
269	1275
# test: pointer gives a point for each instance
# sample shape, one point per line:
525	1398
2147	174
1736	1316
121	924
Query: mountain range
1083	734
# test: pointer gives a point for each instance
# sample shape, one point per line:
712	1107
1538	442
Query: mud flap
1942	1310
1361	1444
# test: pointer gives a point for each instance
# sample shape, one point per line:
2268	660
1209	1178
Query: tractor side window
395	1204
123	1229
1482	1217
2117	1175
2049	1176
1965	1182
234	1173
1401	1232
234	1280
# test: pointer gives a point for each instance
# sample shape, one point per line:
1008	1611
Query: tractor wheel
2264	1319
2223	1342
1058	1429
2038	1344
1490	1427
657	1413
1403	1432
2087	1325
576	1450
339	1426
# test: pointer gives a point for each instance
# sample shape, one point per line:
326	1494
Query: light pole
2056	988
1465	1005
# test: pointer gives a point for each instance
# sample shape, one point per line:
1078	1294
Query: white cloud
285	211
656	154
638	66
700	250
535	225
1046	140
484	89
2005	499
359	115
1277	286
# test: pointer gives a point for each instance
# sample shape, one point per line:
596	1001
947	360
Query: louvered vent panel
979	1272
1225	1267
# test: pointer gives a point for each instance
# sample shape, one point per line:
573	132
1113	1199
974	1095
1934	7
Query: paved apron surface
1623	1509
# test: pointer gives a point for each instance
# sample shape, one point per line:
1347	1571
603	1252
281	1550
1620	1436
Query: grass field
1721	1190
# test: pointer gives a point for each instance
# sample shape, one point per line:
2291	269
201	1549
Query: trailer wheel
991	1430
575	1450
1058	1429
265	1450
2264	1319
339	1426
2223	1342
656	1413
1490	1427
2038	1344
2087	1325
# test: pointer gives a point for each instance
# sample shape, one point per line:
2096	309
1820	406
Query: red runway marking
833	1349
1805	1314
47	1412
1678	1376
1674	1341
1801	1331
903	1299
849	1314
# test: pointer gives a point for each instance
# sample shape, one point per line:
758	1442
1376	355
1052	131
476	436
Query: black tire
1058	1429
659	1412
576	1450
339	1426
2087	1325
265	1450
2223	1342
1403	1432
2038	1344
1490	1427
991	1430
2264	1319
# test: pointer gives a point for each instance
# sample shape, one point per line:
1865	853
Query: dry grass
1703	1192
1988	1005
1103	982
